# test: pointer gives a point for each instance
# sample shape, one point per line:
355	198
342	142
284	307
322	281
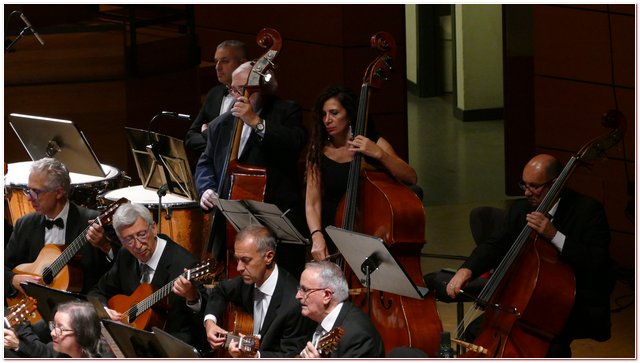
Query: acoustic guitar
20	312
137	306
51	263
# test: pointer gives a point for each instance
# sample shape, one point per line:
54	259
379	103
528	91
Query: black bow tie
48	223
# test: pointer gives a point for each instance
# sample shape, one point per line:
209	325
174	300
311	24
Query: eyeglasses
57	331
306	291
532	187
35	193
237	91
140	236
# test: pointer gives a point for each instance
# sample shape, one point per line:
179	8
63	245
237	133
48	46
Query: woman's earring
350	132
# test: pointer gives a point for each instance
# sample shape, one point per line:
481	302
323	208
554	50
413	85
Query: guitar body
236	321
144	321
68	279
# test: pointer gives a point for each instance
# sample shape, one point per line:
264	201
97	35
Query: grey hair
240	48
85	325
331	277
127	214
263	237
56	172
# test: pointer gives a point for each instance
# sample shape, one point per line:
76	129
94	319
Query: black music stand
162	162
364	252
134	343
174	347
49	137
49	298
241	213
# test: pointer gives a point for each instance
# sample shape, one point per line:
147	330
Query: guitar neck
195	274
61	261
247	343
150	300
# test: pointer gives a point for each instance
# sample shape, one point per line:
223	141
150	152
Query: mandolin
52	261
137	306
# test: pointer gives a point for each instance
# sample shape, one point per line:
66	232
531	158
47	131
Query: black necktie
145	273
48	223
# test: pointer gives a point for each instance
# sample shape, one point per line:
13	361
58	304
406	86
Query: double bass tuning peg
380	74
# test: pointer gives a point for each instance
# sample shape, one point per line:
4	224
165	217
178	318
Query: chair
485	220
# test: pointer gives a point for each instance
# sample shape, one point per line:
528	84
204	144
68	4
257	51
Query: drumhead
149	198
18	174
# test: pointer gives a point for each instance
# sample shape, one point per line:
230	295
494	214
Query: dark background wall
564	67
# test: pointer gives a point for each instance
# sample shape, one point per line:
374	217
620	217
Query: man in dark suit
272	137
323	292
49	186
229	55
264	291
156	260
577	226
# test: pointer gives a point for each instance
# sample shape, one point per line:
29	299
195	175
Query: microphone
28	24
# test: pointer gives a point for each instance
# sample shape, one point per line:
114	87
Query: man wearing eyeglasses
577	226
323	292
228	56
264	291
272	137
148	258
55	221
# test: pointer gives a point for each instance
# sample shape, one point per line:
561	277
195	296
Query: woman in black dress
332	149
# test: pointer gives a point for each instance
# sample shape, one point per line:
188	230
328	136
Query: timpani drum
181	219
85	189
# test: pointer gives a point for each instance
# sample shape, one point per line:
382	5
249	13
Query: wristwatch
260	126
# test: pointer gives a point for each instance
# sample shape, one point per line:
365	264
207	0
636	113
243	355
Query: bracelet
316	231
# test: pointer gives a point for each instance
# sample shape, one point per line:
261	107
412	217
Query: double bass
378	205
530	295
241	181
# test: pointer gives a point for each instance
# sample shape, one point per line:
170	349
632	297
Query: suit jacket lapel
72	224
161	274
342	315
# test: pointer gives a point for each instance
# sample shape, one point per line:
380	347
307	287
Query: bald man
577	226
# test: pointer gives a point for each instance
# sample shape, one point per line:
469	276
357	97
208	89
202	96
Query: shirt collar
155	258
269	285
329	321
64	213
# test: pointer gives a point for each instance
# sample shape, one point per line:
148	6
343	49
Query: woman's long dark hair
85	325
319	135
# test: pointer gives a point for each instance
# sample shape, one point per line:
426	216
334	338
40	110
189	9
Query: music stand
174	347
49	137
241	213
162	162
49	298
134	343
386	274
